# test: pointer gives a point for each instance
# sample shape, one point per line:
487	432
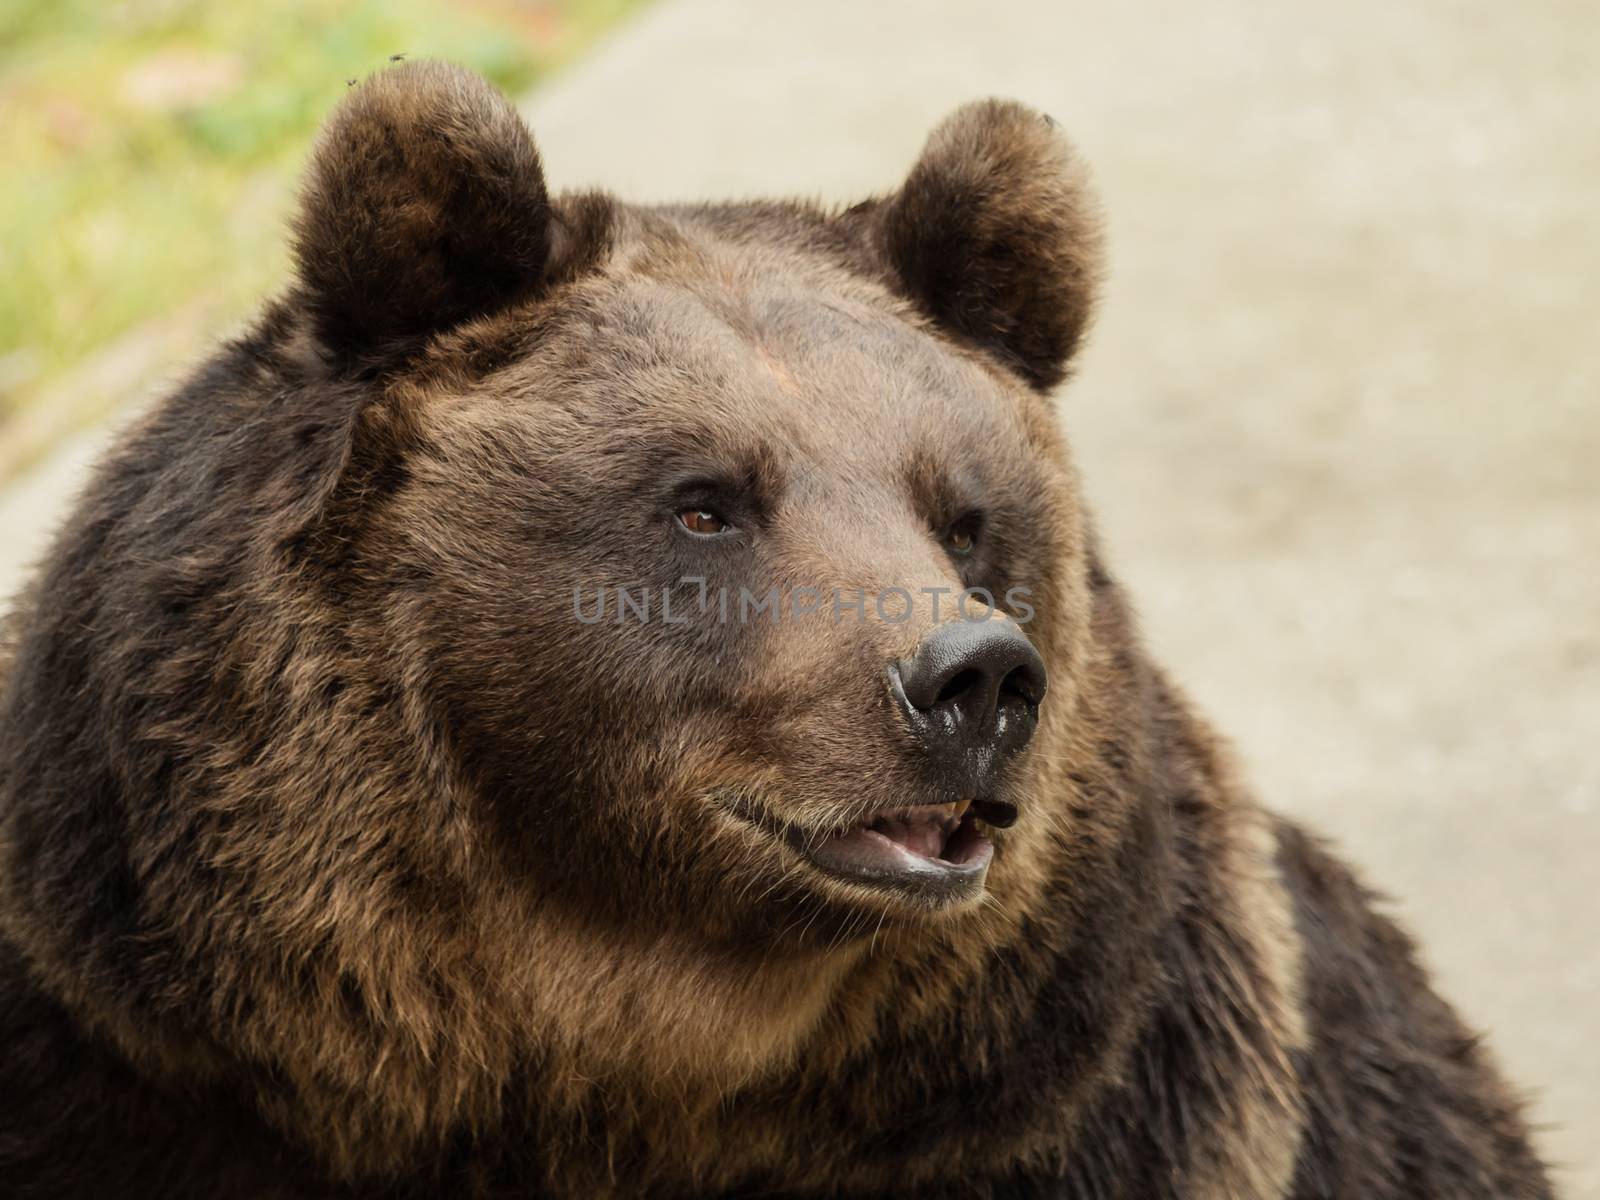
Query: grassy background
151	148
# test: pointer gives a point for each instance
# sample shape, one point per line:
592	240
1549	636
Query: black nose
971	695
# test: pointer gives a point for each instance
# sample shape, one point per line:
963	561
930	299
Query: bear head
566	640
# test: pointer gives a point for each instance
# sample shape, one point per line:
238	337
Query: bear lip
908	840
939	851
930	853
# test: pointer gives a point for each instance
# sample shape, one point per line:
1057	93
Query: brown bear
493	732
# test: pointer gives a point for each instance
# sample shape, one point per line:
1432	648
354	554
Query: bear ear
996	236
424	205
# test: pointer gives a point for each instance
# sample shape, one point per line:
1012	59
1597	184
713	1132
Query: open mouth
938	851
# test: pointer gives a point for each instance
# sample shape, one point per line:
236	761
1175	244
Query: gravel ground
1338	417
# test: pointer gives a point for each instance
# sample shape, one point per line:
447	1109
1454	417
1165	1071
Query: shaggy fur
338	858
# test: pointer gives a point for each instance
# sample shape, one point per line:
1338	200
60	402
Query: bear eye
702	521
962	537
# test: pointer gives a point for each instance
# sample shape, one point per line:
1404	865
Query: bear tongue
926	838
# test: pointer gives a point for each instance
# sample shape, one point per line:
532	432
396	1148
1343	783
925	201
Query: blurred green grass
151	150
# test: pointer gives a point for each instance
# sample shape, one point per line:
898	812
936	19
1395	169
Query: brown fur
336	856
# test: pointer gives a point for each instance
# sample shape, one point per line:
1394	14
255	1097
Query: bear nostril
962	681
1026	682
